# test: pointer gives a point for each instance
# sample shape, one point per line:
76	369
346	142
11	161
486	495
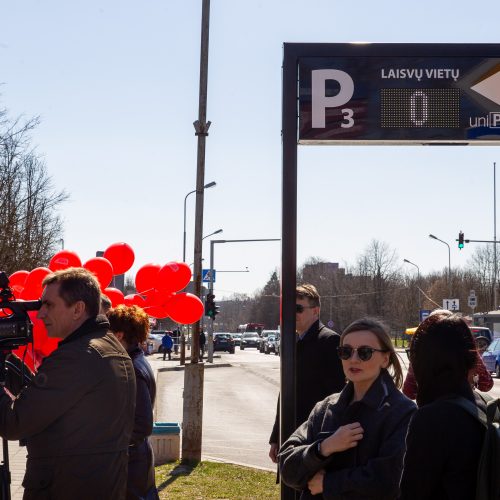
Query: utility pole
193	373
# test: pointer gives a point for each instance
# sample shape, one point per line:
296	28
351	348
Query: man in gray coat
77	414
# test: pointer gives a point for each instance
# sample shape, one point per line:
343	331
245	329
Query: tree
266	307
482	265
378	265
30	228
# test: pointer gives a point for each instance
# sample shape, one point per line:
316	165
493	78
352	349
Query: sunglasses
299	308
364	352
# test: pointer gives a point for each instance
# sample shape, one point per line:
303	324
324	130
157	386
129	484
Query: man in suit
319	369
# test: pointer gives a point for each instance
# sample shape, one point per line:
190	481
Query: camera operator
77	415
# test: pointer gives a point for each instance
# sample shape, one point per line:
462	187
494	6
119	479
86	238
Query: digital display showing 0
420	108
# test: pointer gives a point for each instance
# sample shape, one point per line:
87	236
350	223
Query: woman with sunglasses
352	445
444	441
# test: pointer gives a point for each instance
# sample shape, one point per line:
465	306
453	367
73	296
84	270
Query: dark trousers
165	352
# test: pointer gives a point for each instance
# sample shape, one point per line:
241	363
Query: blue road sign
208	275
424	313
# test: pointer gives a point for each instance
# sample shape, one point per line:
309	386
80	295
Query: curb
181	367
222	460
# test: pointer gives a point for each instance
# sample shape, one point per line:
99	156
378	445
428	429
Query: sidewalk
17	454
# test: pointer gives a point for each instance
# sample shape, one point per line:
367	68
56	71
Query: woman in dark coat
444	441
352	445
131	325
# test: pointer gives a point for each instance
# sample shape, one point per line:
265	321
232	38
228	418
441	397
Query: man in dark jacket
77	415
319	369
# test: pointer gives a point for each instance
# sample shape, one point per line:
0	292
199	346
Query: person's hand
345	437
273	452
315	484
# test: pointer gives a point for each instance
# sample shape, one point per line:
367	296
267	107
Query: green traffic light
460	245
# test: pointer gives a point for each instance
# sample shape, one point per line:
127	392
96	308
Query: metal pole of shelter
288	249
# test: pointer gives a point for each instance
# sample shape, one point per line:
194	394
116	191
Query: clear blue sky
116	86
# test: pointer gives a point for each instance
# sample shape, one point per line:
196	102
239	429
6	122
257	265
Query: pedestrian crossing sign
208	275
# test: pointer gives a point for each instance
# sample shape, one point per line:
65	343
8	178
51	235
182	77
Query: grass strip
215	480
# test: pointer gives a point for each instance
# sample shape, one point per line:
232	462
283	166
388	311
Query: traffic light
211	310
460	240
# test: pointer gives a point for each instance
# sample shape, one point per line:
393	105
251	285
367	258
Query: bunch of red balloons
157	288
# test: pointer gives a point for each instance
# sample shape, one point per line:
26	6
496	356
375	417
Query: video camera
16	328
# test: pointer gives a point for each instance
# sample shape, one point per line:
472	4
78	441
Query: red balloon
157	298
185	308
64	259
42	343
115	295
146	277
173	276
159	312
17	290
102	269
18	278
33	287
5	312
121	257
134	300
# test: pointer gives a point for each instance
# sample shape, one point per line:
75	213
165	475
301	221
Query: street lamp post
206	186
449	261
182	359
211	234
418	285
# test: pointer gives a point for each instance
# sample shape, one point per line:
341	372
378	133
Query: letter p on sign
320	101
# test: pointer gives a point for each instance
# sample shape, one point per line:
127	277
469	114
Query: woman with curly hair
352	445
130	324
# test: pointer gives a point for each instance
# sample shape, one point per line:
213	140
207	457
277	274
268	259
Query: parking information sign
404	93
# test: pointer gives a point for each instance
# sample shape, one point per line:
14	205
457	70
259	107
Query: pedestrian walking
203	341
167	344
352	444
319	370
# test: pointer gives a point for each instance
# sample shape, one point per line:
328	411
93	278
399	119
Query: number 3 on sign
349	122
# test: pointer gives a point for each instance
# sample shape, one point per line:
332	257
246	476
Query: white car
154	343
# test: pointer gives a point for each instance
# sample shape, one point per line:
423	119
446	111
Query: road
239	405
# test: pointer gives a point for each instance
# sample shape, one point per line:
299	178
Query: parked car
491	357
250	339
263	338
152	344
224	342
271	344
482	335
237	338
